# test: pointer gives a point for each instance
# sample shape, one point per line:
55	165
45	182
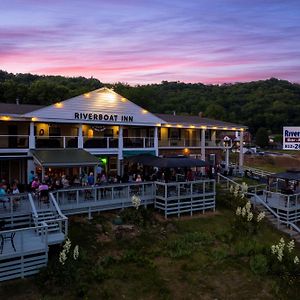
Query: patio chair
7	236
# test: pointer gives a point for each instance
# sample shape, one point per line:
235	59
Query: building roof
187	121
101	106
17	109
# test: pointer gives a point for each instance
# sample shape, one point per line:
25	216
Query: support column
43	173
31	136
95	175
120	152
156	140
203	144
227	159
80	137
30	167
241	154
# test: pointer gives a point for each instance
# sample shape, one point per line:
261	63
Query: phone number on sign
293	146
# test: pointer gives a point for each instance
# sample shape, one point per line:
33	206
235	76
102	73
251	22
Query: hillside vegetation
268	103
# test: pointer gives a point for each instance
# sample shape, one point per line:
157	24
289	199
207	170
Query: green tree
262	137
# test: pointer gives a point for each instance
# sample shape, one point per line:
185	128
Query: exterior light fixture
58	105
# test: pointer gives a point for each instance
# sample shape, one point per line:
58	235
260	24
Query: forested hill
269	103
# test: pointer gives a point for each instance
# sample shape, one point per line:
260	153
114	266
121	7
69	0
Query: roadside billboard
291	138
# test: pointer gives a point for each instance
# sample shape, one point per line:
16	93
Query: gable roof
17	109
103	106
187	121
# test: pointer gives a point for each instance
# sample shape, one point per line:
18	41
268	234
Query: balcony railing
179	143
56	141
14	141
100	142
138	142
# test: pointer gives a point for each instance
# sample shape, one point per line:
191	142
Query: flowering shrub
285	263
63	255
247	220
136	201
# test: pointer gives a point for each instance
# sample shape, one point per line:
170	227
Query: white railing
100	142
19	239
103	197
258	172
12	204
185	197
138	142
56	141
14	141
62	220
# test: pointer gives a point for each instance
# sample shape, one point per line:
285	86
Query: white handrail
34	212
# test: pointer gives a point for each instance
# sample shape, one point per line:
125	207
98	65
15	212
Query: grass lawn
190	258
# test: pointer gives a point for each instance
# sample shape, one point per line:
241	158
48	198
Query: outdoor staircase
54	231
274	221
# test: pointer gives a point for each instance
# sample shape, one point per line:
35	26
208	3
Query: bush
140	217
259	264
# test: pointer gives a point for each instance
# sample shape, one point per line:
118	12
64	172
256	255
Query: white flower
238	211
244	187
290	245
296	260
248	206
250	216
136	201
260	216
67	245
244	212
242	195
76	252
62	257
274	249
236	193
231	189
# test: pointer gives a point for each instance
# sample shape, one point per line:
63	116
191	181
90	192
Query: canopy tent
288	175
167	162
64	158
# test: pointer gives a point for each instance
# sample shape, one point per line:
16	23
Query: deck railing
56	142
103	197
20	237
14	141
185	197
138	142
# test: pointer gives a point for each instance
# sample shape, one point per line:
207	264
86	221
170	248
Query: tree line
271	103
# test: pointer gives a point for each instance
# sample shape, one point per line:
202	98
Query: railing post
64	142
77	197
107	142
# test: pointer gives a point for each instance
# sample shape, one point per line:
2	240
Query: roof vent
174	113
17	101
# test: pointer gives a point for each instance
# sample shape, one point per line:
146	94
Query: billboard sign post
291	138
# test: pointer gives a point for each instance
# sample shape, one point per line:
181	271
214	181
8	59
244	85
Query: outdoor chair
7	236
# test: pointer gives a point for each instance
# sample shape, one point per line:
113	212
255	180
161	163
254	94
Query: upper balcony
188	143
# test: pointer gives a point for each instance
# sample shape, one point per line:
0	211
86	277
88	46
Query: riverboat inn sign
102	117
291	138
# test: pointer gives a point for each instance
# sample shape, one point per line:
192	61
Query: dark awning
167	162
288	175
64	158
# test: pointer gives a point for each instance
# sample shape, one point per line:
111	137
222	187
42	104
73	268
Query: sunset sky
139	41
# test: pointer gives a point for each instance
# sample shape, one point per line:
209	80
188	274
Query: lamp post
227	144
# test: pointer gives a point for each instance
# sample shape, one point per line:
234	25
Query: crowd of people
51	182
